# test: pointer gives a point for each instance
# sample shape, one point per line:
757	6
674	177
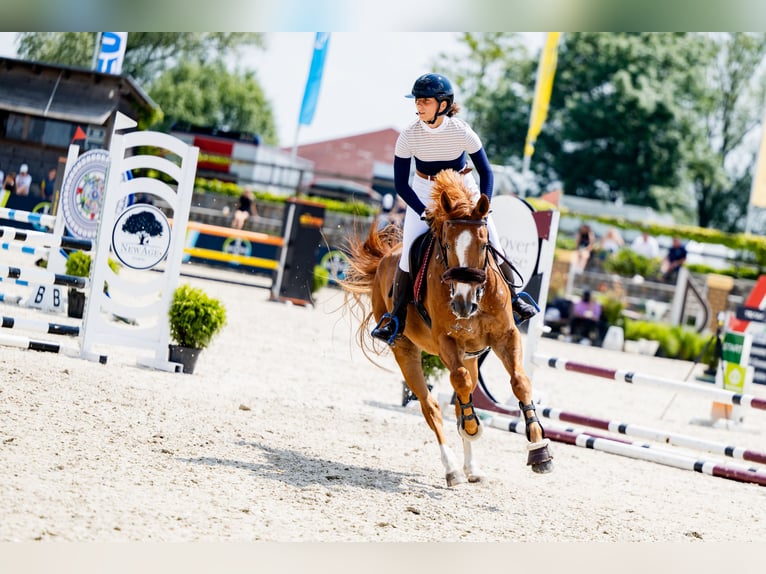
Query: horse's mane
458	204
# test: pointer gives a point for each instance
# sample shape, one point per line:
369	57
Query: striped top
438	148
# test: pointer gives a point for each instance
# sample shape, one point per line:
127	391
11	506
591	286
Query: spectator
646	245
673	260
585	240
9	184
586	317
48	185
2	175
611	242
23	180
245	208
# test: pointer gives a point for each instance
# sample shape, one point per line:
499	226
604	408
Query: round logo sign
141	236
518	234
82	193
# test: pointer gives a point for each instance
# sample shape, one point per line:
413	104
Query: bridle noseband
470	275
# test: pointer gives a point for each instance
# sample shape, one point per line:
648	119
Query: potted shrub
195	318
78	264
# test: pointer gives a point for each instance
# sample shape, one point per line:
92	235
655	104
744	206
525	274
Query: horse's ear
446	205
482	207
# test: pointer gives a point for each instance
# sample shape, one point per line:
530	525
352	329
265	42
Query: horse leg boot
523	309
538	455
391	325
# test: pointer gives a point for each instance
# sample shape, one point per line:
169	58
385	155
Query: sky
380	65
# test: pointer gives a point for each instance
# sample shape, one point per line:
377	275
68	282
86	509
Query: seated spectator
245	208
611	242
673	260
586	319
586	241
23	180
646	245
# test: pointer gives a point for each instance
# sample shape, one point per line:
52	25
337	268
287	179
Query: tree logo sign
141	236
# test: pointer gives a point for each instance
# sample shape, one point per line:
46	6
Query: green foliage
195	318
628	263
321	278
207	94
676	342
611	309
432	365
655	119
78	264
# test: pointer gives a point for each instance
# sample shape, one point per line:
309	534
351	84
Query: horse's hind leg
408	357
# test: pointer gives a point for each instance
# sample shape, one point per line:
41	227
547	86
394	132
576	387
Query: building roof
353	156
68	93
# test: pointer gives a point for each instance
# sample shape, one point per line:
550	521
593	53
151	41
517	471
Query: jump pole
719	395
42	276
45	239
641	452
484	400
40	326
45	346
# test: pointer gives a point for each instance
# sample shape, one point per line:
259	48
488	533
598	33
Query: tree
184	72
721	157
210	95
147	54
144	224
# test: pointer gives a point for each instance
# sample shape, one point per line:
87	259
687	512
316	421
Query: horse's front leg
509	351
408	357
452	355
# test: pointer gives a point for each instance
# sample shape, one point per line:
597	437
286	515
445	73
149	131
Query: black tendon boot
524	307
391	325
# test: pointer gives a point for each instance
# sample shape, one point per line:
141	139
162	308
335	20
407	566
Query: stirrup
525	298
392	319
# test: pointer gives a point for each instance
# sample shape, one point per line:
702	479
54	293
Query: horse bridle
470	275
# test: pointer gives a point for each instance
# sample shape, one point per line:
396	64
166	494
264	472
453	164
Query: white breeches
413	226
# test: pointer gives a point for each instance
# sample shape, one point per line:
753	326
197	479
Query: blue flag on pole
311	95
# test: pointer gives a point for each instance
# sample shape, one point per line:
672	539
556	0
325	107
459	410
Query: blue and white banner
112	52
311	95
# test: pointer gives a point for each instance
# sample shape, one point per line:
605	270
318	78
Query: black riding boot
391	325
523	309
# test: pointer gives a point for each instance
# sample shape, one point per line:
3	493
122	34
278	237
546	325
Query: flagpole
96	51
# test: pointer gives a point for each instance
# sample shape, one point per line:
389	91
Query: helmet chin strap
437	114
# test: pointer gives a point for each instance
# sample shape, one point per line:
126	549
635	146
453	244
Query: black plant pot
75	303
187	356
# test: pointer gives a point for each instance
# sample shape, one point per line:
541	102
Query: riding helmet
433	86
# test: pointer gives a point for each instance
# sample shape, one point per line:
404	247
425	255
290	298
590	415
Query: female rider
437	140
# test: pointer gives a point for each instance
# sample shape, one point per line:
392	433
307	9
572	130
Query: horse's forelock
451	183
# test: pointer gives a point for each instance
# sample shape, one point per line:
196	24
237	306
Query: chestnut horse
468	303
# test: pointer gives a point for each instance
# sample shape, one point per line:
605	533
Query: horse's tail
364	257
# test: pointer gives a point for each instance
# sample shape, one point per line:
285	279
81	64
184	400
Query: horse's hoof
476	478
539	457
543	467
455	477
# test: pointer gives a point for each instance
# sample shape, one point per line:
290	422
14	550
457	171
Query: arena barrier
44	293
646	452
232	246
717	394
109	218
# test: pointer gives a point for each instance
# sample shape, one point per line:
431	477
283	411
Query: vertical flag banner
544	84
311	95
758	190
112	52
